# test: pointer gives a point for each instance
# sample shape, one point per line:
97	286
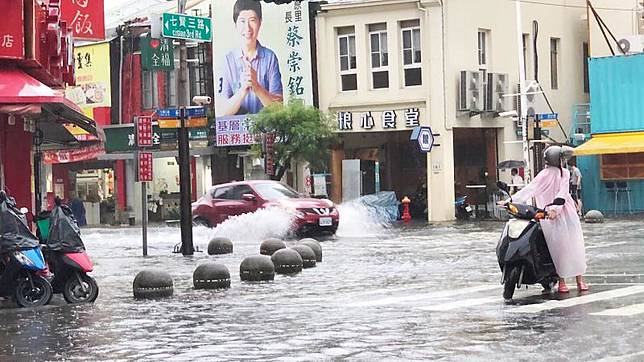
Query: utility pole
523	97
184	151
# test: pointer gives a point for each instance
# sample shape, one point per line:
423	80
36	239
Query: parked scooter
522	251
21	259
66	256
463	209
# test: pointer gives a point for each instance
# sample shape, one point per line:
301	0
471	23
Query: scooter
463	210
522	251
21	259
66	256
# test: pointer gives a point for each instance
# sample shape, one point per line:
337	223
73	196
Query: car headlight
299	214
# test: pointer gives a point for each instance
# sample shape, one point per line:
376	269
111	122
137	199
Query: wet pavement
425	292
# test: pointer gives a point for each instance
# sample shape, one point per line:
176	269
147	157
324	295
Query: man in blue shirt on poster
251	76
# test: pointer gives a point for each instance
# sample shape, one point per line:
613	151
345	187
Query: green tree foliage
302	133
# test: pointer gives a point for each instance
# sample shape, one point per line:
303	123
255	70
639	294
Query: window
586	54
198	71
224	193
239	191
622	166
554	63
483	48
526	53
150	90
379	55
171	88
347	52
411	52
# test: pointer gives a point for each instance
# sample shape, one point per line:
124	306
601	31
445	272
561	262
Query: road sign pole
144	216
184	153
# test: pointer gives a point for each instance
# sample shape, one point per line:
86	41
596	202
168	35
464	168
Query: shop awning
611	143
20	93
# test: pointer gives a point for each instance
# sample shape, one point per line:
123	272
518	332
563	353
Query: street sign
145	167
190	123
144	131
174	112
548	124
157	54
180	26
547	116
270	162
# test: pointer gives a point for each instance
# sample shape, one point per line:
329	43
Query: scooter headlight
23	259
513	209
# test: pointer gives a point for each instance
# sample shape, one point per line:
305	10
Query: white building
411	56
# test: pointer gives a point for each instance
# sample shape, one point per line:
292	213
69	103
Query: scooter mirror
559	201
502	186
24	210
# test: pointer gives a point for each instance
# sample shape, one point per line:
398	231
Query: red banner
145	167
12	33
85	17
144	131
74	155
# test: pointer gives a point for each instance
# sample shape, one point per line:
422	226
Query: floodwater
421	292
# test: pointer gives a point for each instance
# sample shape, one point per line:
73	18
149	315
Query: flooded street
400	293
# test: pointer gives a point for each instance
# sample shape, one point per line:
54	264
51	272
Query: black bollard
211	276
153	284
287	261
257	268
307	254
315	246
218	246
269	246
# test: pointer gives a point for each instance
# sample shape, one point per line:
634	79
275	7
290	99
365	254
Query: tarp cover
14	232
64	233
382	205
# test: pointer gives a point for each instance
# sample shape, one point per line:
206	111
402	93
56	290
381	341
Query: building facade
449	65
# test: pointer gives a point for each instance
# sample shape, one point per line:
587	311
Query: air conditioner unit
496	87
470	91
632	44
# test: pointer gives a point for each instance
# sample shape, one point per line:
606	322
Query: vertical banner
145	167
262	54
269	140
12	30
85	17
144	131
92	77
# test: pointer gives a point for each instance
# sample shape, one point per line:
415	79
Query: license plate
326	221
468	208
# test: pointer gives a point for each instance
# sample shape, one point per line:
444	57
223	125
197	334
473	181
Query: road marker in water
629	310
584	299
423	296
461	304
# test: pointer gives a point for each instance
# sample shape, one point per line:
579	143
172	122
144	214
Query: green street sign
157	54
179	26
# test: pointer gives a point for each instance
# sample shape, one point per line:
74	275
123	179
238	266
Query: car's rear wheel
200	221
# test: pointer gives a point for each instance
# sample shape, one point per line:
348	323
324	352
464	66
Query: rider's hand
502	202
552	214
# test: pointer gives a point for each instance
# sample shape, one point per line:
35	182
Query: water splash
357	221
259	225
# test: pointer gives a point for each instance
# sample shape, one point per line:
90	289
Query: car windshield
273	191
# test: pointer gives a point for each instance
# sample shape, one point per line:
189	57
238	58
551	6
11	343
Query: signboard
424	137
548	124
85	17
79	133
92	88
387	120
12	30
144	131
233	131
319	185
283	49
180	26
175	123
73	155
157	54
122	139
547	116
145	167
269	140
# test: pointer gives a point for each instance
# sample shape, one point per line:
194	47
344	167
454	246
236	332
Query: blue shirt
267	67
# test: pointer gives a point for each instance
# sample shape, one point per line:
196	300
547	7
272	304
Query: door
368	172
351	179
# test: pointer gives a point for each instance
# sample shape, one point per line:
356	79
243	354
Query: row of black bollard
275	258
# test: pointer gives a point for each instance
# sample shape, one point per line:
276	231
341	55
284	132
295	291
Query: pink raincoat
563	234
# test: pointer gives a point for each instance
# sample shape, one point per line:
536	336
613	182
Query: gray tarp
64	233
14	232
382	205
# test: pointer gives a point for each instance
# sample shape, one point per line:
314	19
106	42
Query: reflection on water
308	316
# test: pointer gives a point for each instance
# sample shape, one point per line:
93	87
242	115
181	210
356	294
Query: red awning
19	92
74	155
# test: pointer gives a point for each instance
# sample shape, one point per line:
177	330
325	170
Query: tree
302	133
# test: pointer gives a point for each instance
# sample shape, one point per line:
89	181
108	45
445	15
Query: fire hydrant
406	216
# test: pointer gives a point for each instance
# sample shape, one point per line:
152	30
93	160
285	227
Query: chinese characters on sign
157	54
388	119
233	131
294	42
269	140
92	88
85	17
144	131
12	30
180	26
145	167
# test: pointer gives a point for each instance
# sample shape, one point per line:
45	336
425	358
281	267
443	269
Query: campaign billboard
262	54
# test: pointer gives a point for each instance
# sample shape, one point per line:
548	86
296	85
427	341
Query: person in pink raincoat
562	229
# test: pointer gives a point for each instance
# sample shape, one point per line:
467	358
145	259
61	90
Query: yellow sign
92	77
548	124
175	123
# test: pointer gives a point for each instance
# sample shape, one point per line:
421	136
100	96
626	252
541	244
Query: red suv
311	216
